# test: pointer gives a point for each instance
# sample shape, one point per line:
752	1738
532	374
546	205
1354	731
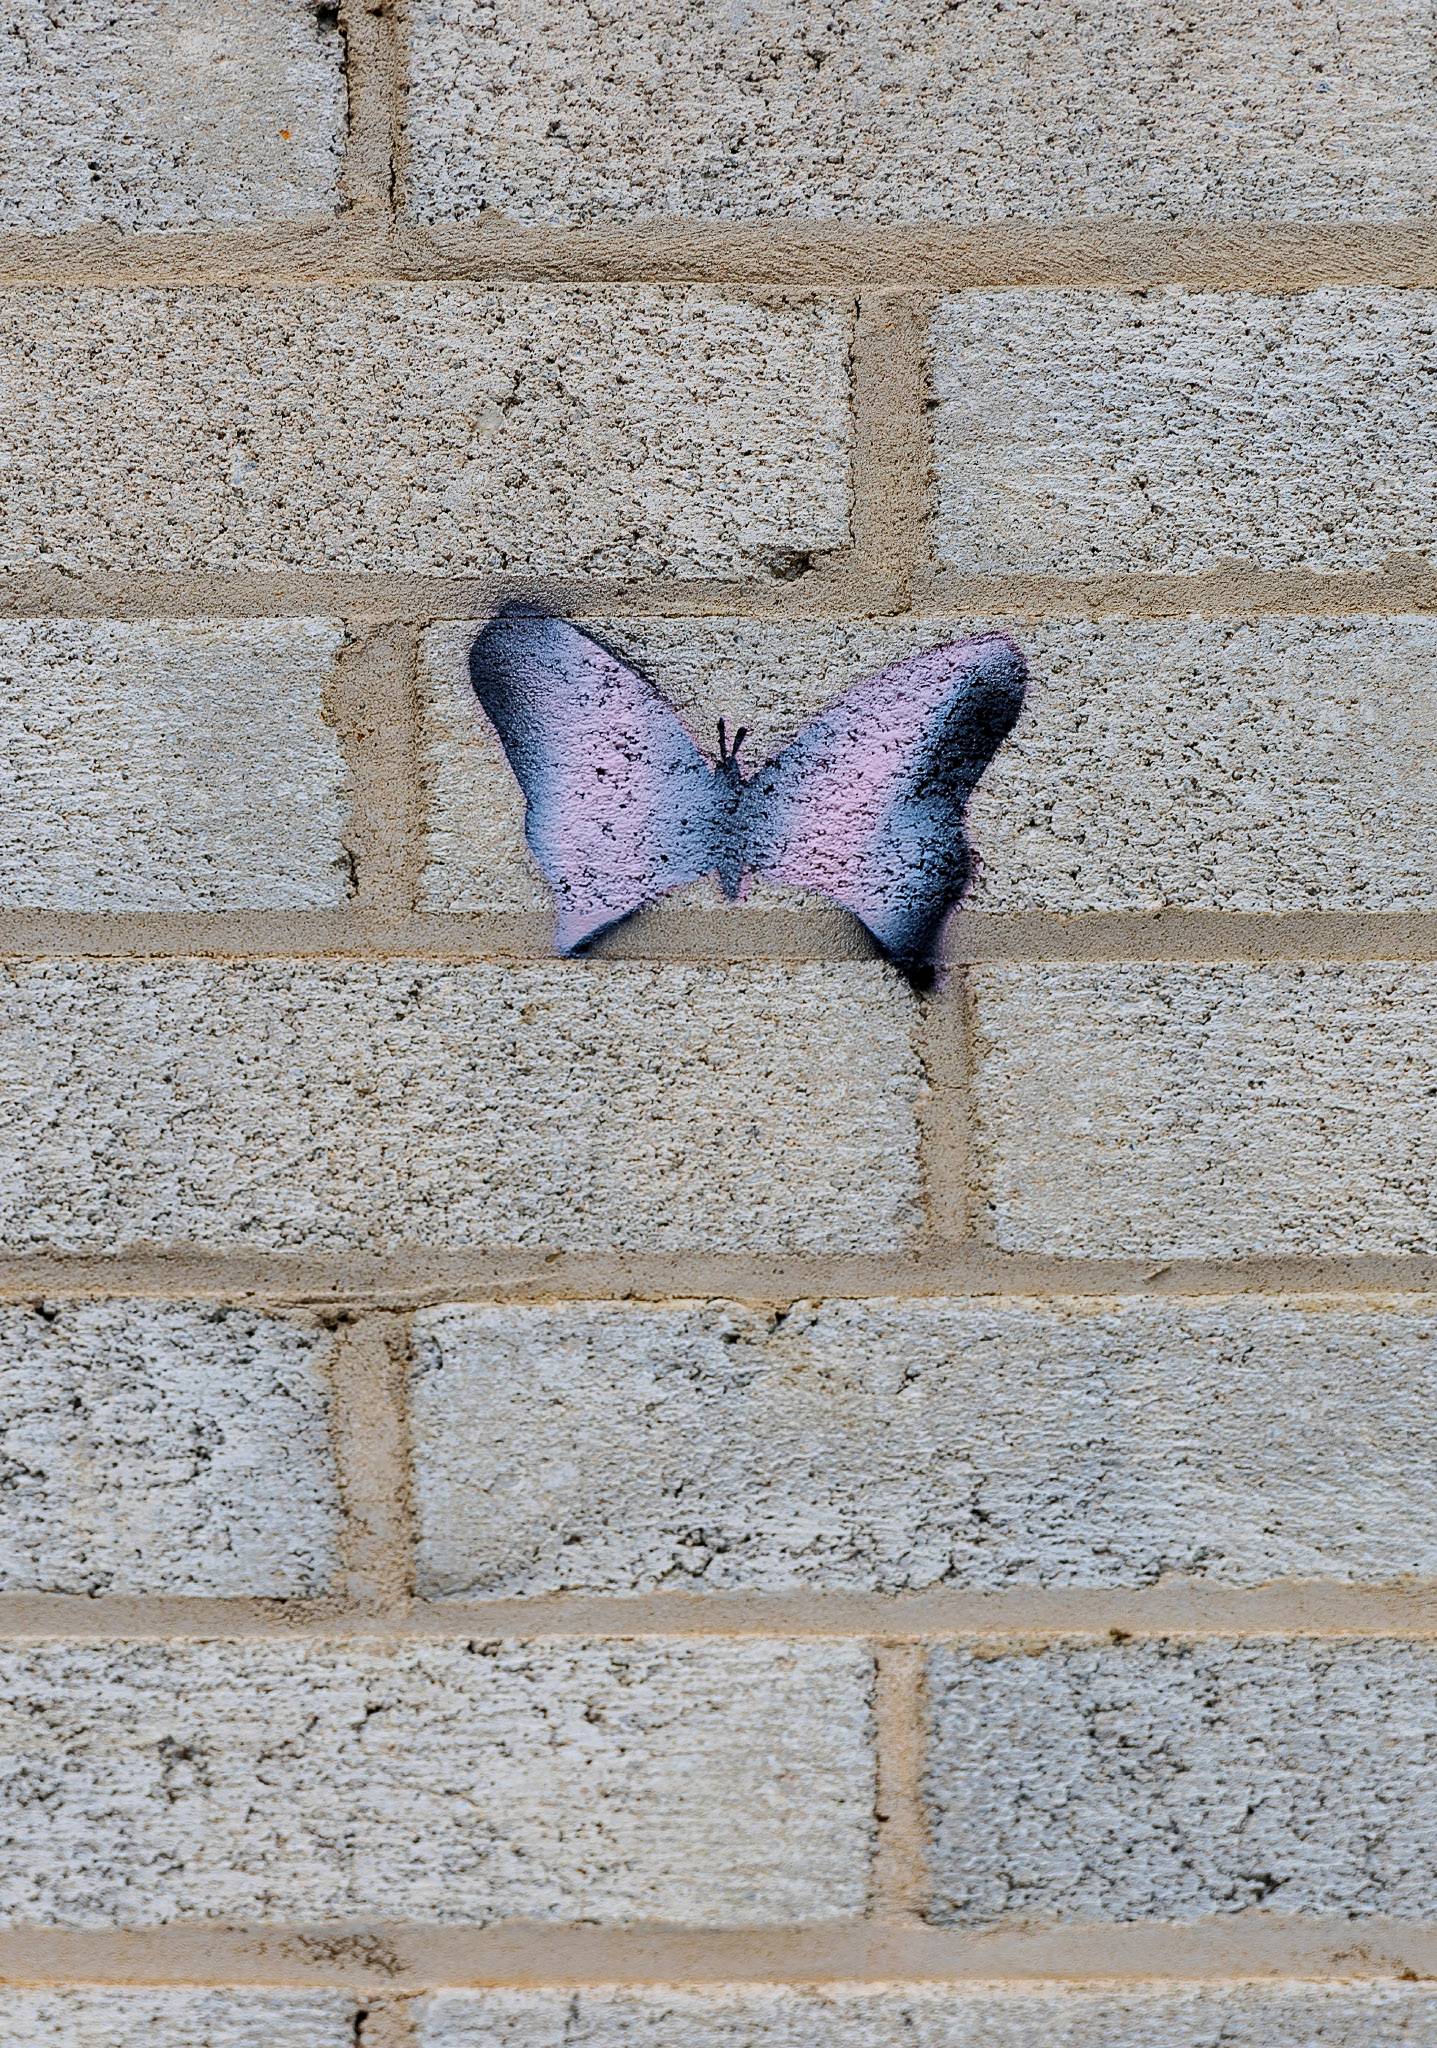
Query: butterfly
865	805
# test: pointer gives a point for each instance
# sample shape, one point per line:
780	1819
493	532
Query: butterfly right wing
621	805
866	804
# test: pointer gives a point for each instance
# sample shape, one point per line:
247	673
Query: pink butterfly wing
866	804
621	805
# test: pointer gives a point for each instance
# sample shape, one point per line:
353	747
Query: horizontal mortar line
377	1956
840	585
415	1277
1021	1615
788	256
720	937
1190	935
712	936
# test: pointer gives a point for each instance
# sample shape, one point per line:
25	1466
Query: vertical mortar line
373	704
370	1437
900	1862
371	176
387	2023
945	1138
890	446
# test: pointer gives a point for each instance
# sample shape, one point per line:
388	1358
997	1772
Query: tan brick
896	1445
104	2016
1264	764
1175	430
1208	1111
172	765
449	429
153	1447
168	113
790	110
328	1106
1170	1781
1383	2015
152	1783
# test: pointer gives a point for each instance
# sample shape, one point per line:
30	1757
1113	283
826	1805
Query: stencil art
864	806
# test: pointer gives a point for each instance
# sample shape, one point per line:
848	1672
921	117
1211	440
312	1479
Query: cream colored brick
896	1445
173	765
448	429
1208	1111
363	1105
553	110
148	1447
99	2016
1265	764
167	113
1171	1781
1087	431
1382	2015
726	1783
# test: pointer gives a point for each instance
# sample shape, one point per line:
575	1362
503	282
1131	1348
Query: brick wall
692	1499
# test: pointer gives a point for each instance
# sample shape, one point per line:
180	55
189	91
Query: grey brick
148	1447
1208	1111
326	1106
172	765
1170	1781
168	113
104	2016
1382	2015
153	1783
448	429
793	110
1264	764
895	1445
1175	430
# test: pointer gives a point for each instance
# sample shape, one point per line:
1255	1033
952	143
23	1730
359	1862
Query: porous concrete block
1238	2015
168	113
171	765
715	1783
588	113
1079	432
890	1446
1264	764
105	2016
151	1447
319	1105
1208	1111
1270	764
1172	1781
447	429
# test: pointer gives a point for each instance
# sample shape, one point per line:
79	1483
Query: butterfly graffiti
864	806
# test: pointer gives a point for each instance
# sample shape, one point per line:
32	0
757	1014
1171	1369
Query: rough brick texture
150	1448
332	1106
580	113
1206	1111
940	2016
446	428
894	1445
728	1783
1264	764
168	113
174	765
1083	431
1169	1781
87	2016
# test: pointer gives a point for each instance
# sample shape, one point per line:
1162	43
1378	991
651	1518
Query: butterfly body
865	805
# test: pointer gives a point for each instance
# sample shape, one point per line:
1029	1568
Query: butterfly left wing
620	803
866	804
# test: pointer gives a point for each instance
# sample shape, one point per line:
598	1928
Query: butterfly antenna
723	740
738	739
